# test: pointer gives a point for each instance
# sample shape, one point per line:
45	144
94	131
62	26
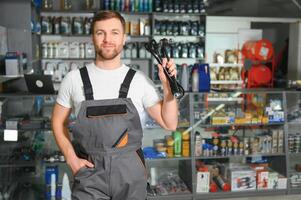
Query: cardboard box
242	179
262	179
273	180
282	182
280	141
203	182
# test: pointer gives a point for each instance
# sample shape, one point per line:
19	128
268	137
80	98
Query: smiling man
110	101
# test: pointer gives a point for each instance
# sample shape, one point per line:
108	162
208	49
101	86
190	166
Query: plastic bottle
53	185
170	146
195	80
177	136
66	191
184	77
185	144
198	145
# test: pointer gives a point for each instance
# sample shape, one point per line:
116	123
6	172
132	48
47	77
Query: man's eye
115	33
99	33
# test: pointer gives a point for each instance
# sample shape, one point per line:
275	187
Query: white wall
223	33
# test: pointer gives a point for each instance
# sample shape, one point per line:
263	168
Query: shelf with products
241	156
226	82
168	159
74	12
60	59
52	36
293	99
172	197
169	172
225	65
222	195
227	151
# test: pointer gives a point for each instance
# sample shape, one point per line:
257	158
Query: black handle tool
153	47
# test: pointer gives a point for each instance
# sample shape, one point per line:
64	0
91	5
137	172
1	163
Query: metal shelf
171	197
168	159
294	154
293	172
232	194
295	191
4	78
294	123
229	99
83	59
180	36
226	82
18	164
68	11
241	125
135	13
242	156
178	14
225	65
65	35
25	94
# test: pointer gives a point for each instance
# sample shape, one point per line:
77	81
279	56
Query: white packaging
74	50
53	184
262	180
89	50
242	179
280	141
282	182
273	180
203	182
63	50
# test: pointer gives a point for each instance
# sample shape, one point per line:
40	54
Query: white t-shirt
106	85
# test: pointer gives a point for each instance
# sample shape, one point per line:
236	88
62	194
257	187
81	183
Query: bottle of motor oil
177	136
170	146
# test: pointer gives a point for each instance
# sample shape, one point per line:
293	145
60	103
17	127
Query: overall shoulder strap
124	88
88	90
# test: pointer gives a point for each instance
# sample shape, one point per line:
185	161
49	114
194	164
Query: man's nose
107	38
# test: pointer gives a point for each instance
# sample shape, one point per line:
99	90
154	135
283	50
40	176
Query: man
109	100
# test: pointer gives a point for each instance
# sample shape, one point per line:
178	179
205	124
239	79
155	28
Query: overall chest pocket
105	111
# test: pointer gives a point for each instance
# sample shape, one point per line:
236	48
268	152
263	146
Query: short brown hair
108	14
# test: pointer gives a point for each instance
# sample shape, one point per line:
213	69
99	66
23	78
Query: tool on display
158	50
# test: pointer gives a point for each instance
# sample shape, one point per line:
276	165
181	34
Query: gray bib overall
108	133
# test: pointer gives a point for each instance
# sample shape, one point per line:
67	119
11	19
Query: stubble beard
102	54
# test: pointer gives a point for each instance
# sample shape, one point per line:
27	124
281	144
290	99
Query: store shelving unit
186	165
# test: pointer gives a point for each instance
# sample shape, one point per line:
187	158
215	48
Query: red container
260	50
259	75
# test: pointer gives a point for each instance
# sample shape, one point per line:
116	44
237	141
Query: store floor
282	197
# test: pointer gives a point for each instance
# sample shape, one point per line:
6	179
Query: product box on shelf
274	141
273	180
262	177
203	182
89	50
295	181
63	50
282	182
280	141
74	50
242	179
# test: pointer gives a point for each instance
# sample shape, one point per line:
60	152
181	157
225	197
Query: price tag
10	135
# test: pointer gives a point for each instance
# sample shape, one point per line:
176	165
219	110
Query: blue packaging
48	172
204	77
132	5
106	4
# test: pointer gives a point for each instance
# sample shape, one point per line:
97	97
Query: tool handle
173	83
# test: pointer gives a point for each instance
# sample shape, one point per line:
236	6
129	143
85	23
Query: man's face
108	38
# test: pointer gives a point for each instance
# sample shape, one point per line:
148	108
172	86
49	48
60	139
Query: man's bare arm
61	134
